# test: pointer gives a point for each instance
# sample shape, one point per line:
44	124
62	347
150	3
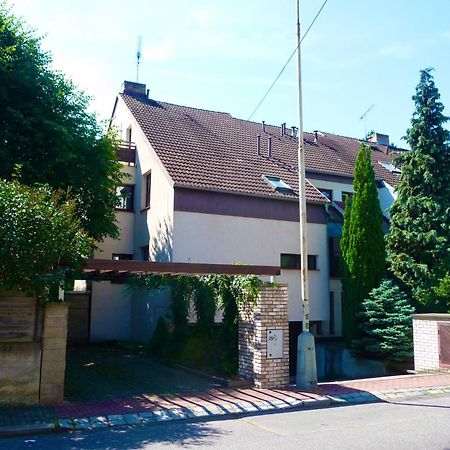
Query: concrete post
53	365
264	338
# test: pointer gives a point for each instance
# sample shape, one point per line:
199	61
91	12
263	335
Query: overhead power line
287	62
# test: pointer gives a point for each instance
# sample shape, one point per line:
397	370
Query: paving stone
161	415
132	419
99	422
83	424
116	419
67	423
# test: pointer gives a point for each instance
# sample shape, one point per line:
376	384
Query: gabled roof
212	150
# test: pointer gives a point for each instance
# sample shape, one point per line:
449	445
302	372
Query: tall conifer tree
362	244
418	244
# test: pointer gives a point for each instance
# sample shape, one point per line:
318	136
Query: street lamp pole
306	353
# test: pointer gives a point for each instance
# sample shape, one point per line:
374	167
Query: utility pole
306	351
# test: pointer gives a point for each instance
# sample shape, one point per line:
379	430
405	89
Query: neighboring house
205	187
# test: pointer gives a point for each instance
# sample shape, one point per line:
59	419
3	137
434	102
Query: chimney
315	137
258	144
134	89
264	126
378	138
269	147
283	129
294	131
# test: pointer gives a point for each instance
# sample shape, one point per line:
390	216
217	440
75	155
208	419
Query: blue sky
223	55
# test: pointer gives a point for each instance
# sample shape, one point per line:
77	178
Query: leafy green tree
418	245
45	128
362	243
41	239
386	323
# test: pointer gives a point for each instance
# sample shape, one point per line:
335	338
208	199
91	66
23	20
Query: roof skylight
278	184
389	167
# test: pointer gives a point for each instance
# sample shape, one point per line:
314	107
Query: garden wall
32	350
431	342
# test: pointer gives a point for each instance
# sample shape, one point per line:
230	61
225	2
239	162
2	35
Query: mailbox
274	344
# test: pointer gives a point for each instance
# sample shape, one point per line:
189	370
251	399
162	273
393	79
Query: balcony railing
126	153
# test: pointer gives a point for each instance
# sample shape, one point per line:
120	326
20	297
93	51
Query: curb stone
214	411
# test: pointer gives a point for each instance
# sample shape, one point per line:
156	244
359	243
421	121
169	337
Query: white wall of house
218	239
387	196
152	226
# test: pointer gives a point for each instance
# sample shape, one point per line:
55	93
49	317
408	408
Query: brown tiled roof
213	150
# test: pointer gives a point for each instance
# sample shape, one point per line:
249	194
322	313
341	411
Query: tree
386	323
362	244
418	245
41	239
45	128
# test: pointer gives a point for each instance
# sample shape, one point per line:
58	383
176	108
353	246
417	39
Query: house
206	187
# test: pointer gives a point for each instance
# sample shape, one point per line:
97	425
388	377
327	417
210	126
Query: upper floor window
148	189
125	196
390	167
334	249
328	193
293	261
278	184
128	134
345	195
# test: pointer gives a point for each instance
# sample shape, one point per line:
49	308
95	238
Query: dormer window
278	184
389	167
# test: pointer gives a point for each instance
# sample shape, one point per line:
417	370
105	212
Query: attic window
389	167
278	184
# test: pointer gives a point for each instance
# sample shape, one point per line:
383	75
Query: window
125	195
292	261
328	193
128	137
389	166
347	194
122	257
148	189
278	184
334	249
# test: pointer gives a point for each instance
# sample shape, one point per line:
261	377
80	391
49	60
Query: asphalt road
422	423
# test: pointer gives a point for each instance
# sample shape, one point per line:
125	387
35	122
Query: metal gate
444	344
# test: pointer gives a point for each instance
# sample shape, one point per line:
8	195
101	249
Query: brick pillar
53	365
261	323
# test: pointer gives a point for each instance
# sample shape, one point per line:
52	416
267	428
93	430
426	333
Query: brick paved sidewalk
142	409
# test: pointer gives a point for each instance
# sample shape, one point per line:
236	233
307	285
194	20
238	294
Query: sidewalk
144	409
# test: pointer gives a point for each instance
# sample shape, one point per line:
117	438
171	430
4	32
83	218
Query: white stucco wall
209	238
153	226
387	196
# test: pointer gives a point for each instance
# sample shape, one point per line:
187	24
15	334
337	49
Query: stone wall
32	350
53	353
426	341
261	323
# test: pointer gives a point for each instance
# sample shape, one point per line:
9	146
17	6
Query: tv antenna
138	57
364	116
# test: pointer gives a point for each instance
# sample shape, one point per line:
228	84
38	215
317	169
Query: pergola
109	269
